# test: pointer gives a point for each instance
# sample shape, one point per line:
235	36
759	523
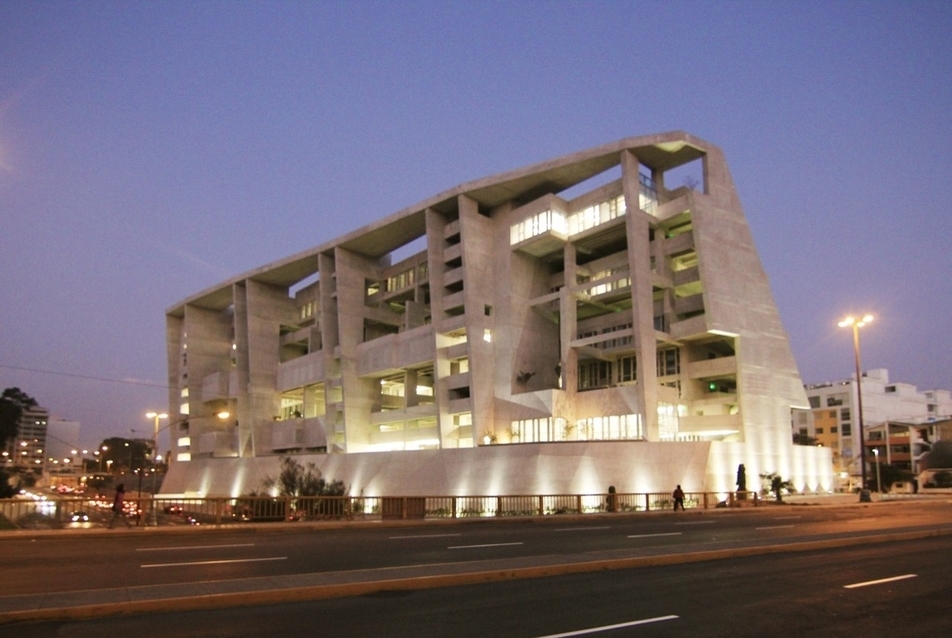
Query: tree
7	490
776	484
296	482
800	438
890	474
303	480
124	453
13	402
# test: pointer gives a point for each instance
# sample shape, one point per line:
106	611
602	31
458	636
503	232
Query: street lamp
155	416
856	324
879	484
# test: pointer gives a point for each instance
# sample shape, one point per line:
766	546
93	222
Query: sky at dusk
149	150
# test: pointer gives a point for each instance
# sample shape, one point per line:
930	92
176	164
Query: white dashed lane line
880	581
215	562
193	547
483	545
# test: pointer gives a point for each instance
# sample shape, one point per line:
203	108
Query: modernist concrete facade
562	327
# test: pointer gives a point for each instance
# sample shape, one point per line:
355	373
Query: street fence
148	510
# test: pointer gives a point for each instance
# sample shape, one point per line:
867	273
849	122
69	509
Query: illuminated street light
879	484
856	324
155	416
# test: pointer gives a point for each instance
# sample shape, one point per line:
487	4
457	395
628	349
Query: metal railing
147	510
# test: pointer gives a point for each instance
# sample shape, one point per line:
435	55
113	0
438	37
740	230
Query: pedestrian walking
678	496
118	506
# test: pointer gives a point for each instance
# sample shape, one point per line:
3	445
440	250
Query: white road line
581	529
486	545
595	630
774	527
696	523
653	535
394	538
189	547
214	562
879	582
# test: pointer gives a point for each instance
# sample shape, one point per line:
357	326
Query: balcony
301	371
219	386
712	368
689	305
680	245
298	433
710	427
222	443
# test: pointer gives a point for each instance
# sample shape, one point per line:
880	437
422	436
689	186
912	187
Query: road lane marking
595	630
774	527
188	547
653	535
581	529
422	536
485	545
215	562
695	523
880	581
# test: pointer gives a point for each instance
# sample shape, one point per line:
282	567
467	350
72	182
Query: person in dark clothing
678	496
118	506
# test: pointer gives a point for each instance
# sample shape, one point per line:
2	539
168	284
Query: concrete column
568	321
642	303
479	283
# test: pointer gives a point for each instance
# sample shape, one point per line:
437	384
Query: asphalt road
895	589
69	561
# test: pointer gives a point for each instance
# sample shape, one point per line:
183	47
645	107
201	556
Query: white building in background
558	328
27	451
900	407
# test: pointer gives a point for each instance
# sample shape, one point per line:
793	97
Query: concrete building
895	415
27	451
558	328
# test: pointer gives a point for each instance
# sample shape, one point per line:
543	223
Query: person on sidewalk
678	496
117	506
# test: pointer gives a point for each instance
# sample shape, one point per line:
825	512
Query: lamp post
856	324
879	484
155	416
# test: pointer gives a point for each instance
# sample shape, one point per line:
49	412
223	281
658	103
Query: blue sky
149	150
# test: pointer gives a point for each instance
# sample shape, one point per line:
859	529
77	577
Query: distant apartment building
28	450
63	450
571	325
894	416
